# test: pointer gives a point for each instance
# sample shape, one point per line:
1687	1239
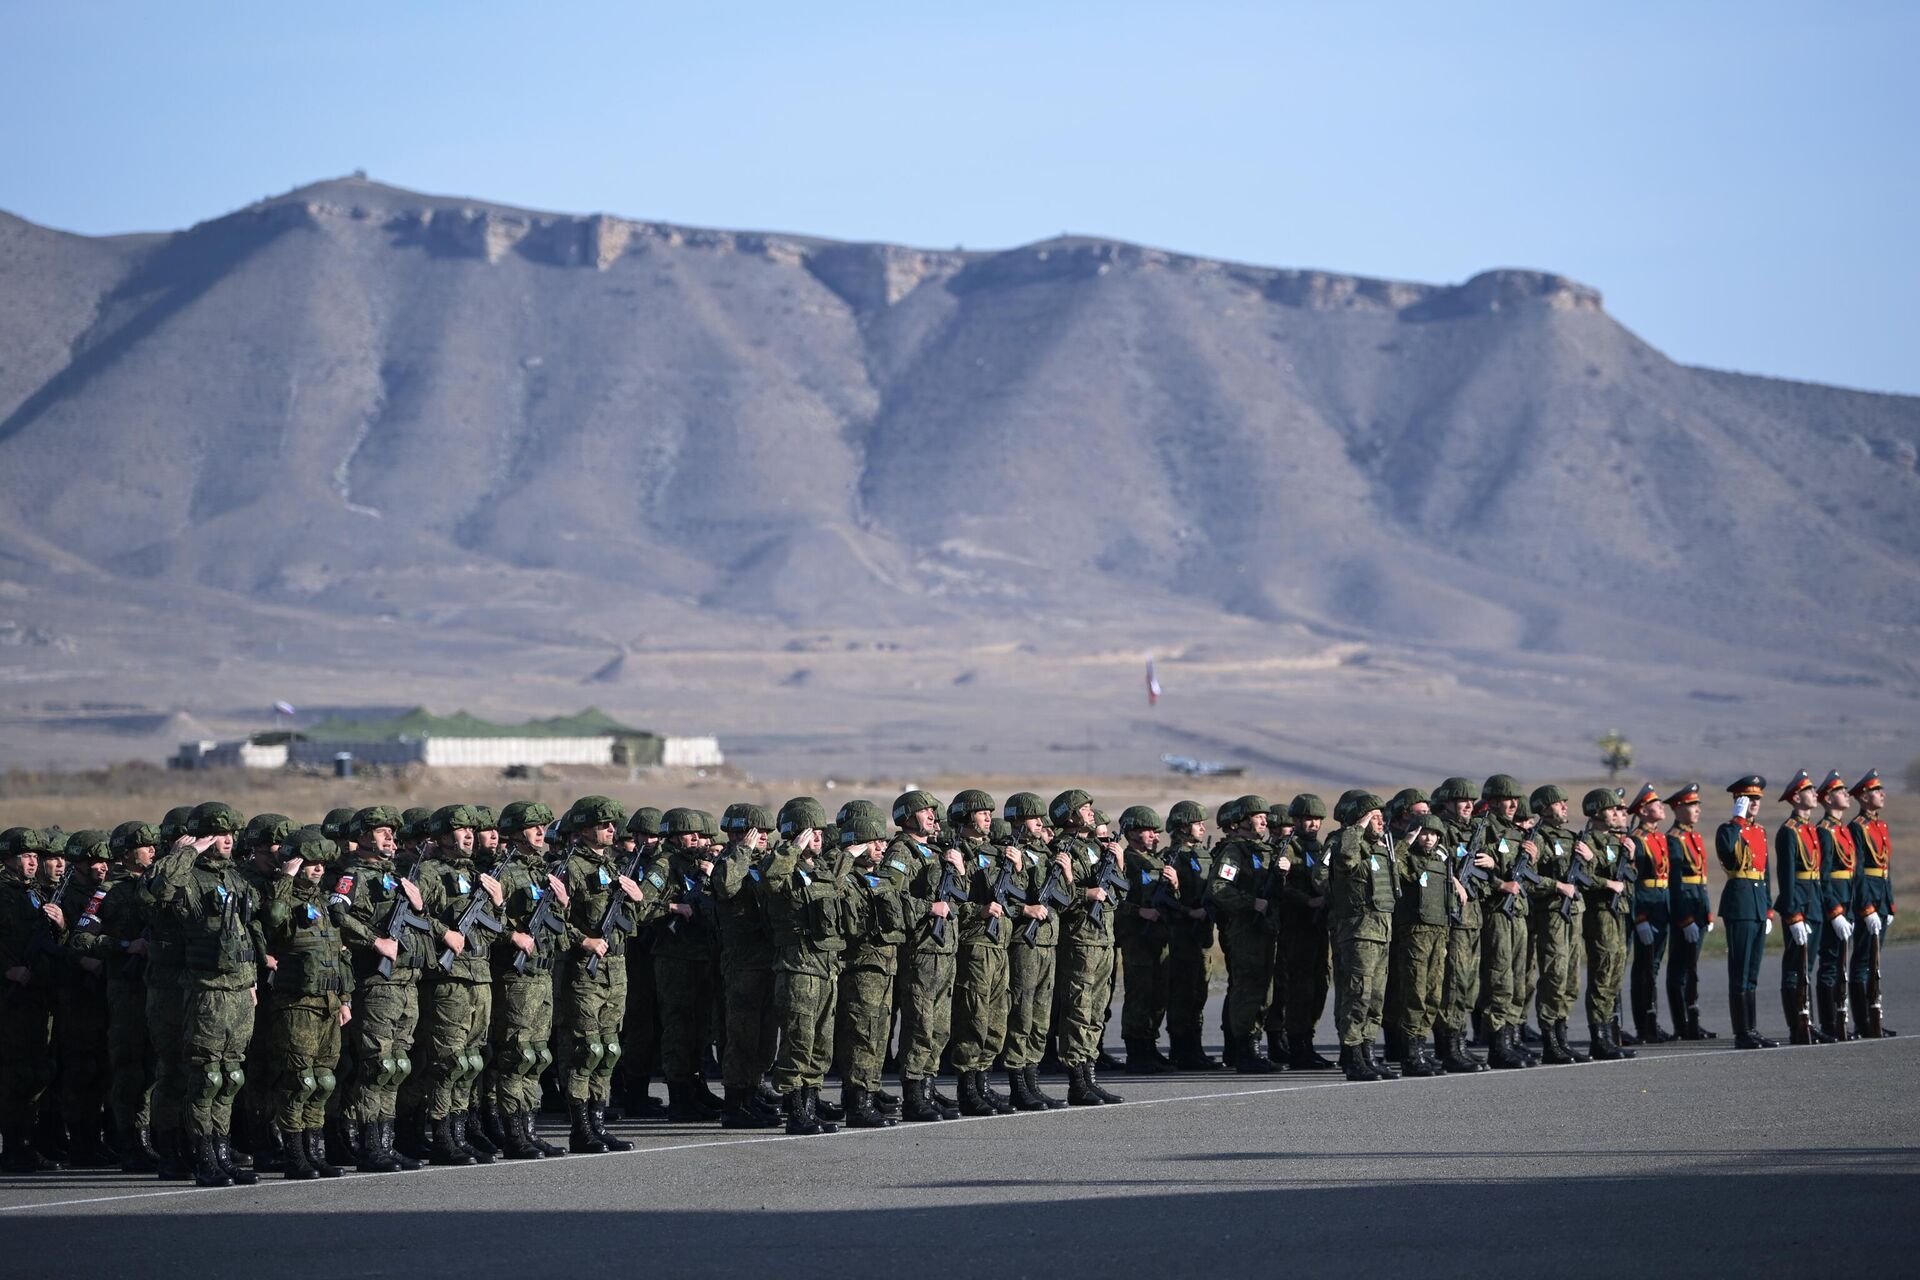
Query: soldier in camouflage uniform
934	886
365	895
256	859
1190	940
1360	904
1086	945
122	944
593	993
1503	937
1557	921
1609	914
746	967
685	950
1303	931
1403	810
1032	952
30	932
533	906
456	1004
80	1014
1453	803
640	1026
1145	924
873	924
307	1006
215	914
804	914
1428	895
1241	883
980	975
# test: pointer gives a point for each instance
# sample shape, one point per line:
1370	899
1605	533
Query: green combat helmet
18	841
1454	790
756	817
708	824
1185	813
413	824
308	844
483	818
1250	805
680	822
88	846
802	813
1355	805
1228	814
1593	804
862	829
334	825
56	841
912	802
448	817
1001	831
213	819
264	830
1022	805
592	811
174	825
129	836
1065	805
378	815
1139	817
1502	786
1306	805
520	815
730	820
645	823
854	808
968	803
1544	796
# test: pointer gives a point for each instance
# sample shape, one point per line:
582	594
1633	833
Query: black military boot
270	1150
799	1123
1367	1056
223	1152
514	1142
530	1132
948	1105
140	1155
1560	1037
999	1101
914	1103
314	1144
1105	1094
1033	1086
597	1117
1079	1092
1621	1036
1552	1053
207	1171
1824	1004
1615	1038
1752	1001
972	1101
1358	1070
830	1111
745	1115
703	1096
1528	1036
475	1133
458	1125
1305	1056
1189	1056
1600	1046
1021	1096
1141	1059
884	1102
389	1143
681	1108
1249	1061
1419	1064
1454	1054
444	1149
294	1166
375	1152
810	1104
1500	1053
857	1103
582	1141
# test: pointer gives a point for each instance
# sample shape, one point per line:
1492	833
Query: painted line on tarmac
269	1183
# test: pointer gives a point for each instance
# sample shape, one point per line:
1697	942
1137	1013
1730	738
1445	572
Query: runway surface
1691	1159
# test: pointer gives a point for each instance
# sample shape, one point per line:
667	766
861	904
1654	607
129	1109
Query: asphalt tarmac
1694	1160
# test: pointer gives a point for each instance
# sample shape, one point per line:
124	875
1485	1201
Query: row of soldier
329	960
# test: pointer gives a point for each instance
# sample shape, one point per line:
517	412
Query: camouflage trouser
588	1015
1463	976
1606	964
217	1025
26	1057
1503	966
684	988
751	1027
930	996
1145	962
1420	955
454	1020
519	1032
1275	1019
980	1001
1556	941
165	1007
80	1037
1085	973
385	1015
130	1054
1029	1002
640	1023
256	1096
861	1024
1249	975
1363	989
1187	966
1309	974
804	1004
303	1043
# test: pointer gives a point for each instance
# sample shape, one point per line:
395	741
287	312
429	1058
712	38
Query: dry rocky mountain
854	504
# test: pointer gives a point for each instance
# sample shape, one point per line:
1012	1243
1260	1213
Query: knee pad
236	1079
518	1059
613	1052
402	1067
388	1074
324	1084
300	1087
472	1064
543	1056
590	1055
208	1079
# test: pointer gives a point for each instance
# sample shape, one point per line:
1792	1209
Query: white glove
1644	932
1692	934
1842	926
1873	924
1799	932
1769	926
1710	925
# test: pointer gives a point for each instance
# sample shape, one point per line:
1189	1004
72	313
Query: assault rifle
1053	896
1001	894
1105	876
949	891
1578	876
403	918
1523	872
475	914
1162	898
42	942
693	894
1463	870
616	919
547	918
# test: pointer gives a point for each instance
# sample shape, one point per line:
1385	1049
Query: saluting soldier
1361	893
1652	919
1796	861
1691	910
1873	901
746	967
1427	897
874	924
804	913
686	944
307	1005
1741	846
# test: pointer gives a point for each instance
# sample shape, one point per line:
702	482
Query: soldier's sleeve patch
343	886
897	865
465	887
1228	872
653	878
605	879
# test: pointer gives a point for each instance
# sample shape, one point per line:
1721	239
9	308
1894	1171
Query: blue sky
1740	180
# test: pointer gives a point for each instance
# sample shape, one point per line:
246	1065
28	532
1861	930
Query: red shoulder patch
345	885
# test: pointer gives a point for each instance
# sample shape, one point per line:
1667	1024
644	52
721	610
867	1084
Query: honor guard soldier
1691	910
1652	918
1796	864
1741	846
1875	902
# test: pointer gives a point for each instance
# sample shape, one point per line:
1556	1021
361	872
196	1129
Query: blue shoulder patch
897	865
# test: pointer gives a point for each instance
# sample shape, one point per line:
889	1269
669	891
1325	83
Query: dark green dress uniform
804	912
29	941
1798	901
1691	910
1241	878
1873	900
1741	846
1361	895
522	1023
1421	918
1652	899
310	989
386	1006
